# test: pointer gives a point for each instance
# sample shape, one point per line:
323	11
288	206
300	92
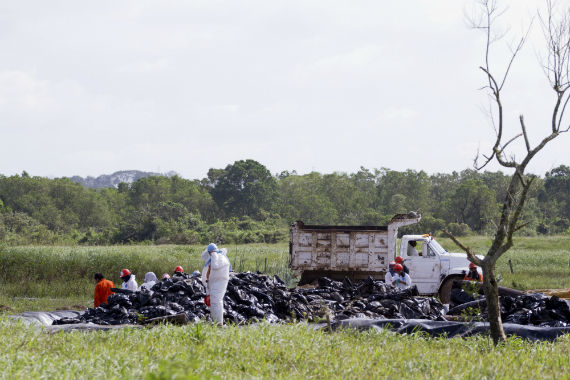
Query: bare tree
556	30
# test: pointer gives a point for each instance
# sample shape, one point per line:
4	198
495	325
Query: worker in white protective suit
215	277
129	281
401	279
149	280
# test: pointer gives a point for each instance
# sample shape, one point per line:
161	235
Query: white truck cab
429	263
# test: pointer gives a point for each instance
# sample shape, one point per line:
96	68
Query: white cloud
22	90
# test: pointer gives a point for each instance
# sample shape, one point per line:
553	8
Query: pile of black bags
526	309
254	296
535	309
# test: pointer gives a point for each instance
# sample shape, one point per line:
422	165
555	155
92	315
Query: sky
90	88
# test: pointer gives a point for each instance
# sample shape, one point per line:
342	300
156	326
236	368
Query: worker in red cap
102	289
400	260
179	274
473	274
401	279
129	281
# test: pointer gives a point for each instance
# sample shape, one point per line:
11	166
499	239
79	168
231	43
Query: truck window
430	251
414	248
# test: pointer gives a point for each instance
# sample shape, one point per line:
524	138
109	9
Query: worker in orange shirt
473	274
102	289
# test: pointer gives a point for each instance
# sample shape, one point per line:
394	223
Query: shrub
459	229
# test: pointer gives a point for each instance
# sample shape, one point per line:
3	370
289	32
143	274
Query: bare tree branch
562	112
510	141
521	118
514	53
474	259
521	226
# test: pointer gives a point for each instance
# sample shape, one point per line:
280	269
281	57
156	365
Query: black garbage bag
459	296
119	299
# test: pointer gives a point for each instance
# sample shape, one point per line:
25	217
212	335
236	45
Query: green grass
269	352
538	263
61	273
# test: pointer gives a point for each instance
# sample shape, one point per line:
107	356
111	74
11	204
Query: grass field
63	273
48	278
270	352
34	274
538	263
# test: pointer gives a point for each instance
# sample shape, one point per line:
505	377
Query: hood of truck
452	262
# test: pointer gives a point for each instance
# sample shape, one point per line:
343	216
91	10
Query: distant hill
113	180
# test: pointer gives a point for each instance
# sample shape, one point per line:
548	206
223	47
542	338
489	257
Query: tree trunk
491	290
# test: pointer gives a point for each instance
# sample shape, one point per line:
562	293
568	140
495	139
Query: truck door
425	268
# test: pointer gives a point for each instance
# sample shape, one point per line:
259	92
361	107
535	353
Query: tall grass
55	272
264	351
62	272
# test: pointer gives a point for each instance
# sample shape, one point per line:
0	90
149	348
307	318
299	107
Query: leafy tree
411	184
302	198
244	188
473	204
557	188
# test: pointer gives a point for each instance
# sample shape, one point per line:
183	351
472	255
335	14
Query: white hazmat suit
217	282
149	280
399	277
131	284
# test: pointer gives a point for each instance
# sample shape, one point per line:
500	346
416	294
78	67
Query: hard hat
398	268
212	247
392	263
399	259
165	276
179	269
471	266
125	273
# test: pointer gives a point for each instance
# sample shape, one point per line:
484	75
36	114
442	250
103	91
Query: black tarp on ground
451	329
46	318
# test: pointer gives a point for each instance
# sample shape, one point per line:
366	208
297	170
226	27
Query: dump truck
359	252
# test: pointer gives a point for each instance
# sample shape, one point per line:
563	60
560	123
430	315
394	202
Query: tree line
245	203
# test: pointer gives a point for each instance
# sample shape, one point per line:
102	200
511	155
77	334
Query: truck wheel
445	288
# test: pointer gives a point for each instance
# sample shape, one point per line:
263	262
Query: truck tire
445	287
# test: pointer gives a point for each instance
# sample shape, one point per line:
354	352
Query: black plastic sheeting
449	329
45	318
534	309
252	297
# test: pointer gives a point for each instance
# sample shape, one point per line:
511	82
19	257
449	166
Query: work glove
207	300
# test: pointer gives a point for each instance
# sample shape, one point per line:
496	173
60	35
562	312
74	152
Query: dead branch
510	141
520	226
474	259
521	118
